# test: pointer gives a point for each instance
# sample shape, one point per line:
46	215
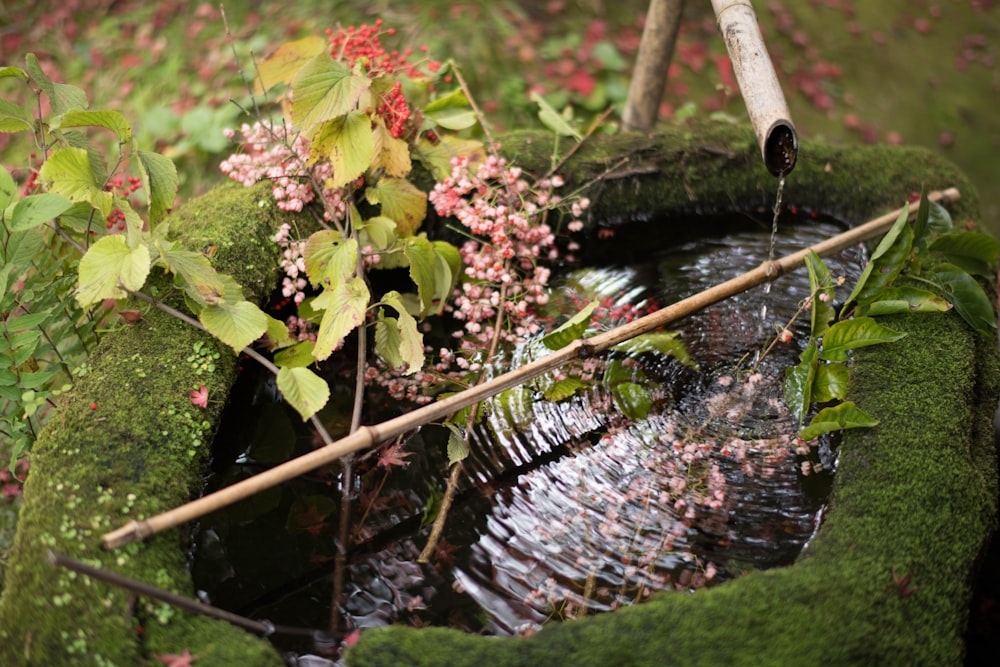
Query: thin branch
590	131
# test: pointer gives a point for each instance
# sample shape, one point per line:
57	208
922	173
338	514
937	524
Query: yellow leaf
282	65
392	155
401	201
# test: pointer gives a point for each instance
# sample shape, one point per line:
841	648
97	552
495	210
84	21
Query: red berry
93	406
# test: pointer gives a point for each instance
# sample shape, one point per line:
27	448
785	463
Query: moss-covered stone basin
913	497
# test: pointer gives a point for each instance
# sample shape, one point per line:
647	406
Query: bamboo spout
776	136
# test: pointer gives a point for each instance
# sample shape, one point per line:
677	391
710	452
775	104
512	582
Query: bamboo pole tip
130	532
951	194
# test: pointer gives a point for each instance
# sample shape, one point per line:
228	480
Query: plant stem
347	472
456	470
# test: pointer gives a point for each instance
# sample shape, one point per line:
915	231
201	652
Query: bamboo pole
759	85
368	436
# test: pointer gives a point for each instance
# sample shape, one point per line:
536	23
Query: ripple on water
708	485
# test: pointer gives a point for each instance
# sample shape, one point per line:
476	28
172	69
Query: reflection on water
568	508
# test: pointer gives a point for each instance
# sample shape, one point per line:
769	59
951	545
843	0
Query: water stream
770	247
568	507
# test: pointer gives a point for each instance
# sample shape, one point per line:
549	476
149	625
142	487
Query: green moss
913	497
717	167
138	452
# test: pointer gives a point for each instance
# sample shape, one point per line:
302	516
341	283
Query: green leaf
821	289
237	324
893	300
969	299
380	232
197	276
68	172
564	388
322	247
632	399
8	189
342	264
109	268
62	96
348	143
36	380
855	333
22	248
29	321
304	390
458	447
433	506
840	417
408	341
277	333
388	340
109	120
551	119
446	273
422	258
282	65
571	329
10	71
24	344
866	283
5	271
667	343
437	155
451	111
513	407
920	223
159	179
299	355
401	201
830	382
799	382
938	218
344	307
35	210
14	117
324	89
133	223
972	252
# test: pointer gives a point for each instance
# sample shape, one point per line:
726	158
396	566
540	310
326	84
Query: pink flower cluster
277	154
273	153
502	270
503	265
293	263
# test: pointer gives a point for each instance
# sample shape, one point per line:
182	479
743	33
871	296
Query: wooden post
656	49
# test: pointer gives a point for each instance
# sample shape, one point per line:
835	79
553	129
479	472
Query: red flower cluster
395	110
363	45
124	188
